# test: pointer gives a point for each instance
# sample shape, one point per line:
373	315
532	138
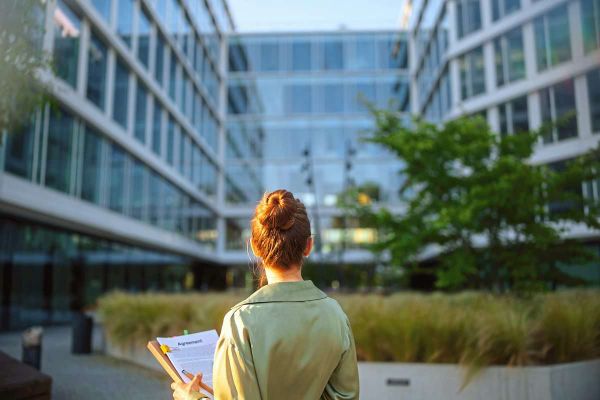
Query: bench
19	381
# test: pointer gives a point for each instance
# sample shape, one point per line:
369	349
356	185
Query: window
361	95
269	56
96	79
144	38
103	8
121	94
298	98
117	178
333	98
159	59
301	56
333	55
140	112
502	8
92	166
558	107
552	38
19	150
514	116
67	30
125	20
139	190
173	76
590	23
593	84
362	54
170	140
468	15
157	128
59	151
472	73
510	58
389	58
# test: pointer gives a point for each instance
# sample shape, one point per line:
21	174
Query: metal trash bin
82	334
31	343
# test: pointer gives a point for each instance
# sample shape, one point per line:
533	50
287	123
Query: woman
288	340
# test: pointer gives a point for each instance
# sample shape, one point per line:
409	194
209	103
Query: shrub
472	329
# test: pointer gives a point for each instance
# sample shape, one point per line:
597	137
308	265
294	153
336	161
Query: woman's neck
292	274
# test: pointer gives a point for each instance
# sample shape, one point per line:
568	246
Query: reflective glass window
144	29
139	190
332	55
67	31
19	150
333	98
510	57
173	76
269	56
117	178
472	73
103	8
92	166
157	128
121	93
593	84
502	8
60	150
125	20
552	38
362	54
557	104
97	71
514	116
141	98
298	98
590	24
159	60
361	95
170	140
468	14
301	56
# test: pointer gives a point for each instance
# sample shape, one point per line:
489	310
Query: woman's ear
309	246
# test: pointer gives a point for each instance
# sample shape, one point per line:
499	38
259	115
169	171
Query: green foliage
472	329
489	218
22	57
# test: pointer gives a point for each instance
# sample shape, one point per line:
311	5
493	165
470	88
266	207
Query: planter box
573	381
405	381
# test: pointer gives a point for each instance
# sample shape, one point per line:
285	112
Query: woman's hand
188	391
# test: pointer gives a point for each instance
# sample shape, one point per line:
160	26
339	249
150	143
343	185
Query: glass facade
502	8
590	23
558	107
472	73
67	33
593	86
552	38
297	111
510	57
468	16
164	180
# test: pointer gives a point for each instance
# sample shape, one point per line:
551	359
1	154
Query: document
191	354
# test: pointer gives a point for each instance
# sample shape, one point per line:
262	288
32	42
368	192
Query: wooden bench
19	381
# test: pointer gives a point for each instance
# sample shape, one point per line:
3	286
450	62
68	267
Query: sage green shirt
287	341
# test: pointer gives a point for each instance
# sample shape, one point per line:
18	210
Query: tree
21	58
477	207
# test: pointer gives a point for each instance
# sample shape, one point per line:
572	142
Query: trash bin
31	342
82	334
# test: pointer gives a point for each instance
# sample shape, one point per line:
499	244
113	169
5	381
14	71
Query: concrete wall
404	381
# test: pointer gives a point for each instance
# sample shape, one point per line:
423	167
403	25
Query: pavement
90	377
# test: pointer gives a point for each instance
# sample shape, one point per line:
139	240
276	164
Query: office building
518	63
115	184
297	111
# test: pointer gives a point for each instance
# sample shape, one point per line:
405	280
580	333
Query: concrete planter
405	381
572	381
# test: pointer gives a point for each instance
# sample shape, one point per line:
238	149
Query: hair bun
277	210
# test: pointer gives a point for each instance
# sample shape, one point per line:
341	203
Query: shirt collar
285	291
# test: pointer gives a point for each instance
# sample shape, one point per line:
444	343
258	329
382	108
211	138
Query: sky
295	15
